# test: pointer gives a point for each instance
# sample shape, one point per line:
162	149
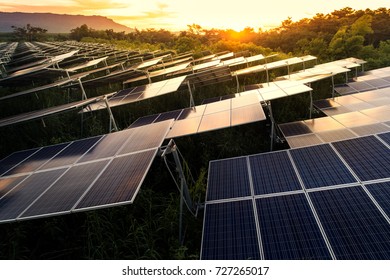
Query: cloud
76	7
159	13
99	4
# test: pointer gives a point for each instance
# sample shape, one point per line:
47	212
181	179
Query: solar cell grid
247	114
367	156
229	232
355	227
381	193
120	181
63	195
303	140
370	129
143	138
17	200
289	229
319	166
228	179
71	153
385	137
14	159
37	159
294	128
215	121
336	135
7	184
273	173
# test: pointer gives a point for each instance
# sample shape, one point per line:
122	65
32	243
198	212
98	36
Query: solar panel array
86	174
222	114
348	117
328	201
371	80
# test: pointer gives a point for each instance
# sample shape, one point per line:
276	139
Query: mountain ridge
58	23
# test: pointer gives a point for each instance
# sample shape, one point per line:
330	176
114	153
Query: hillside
56	23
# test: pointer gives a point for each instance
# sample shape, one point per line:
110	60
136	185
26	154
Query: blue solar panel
17	200
37	159
381	193
367	156
289	230
63	195
71	153
13	159
8	183
228	179
385	137
273	173
229	231
120	181
355	227
319	166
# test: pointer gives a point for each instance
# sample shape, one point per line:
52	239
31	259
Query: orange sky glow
177	14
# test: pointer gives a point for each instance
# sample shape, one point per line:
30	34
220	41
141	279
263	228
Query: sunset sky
177	14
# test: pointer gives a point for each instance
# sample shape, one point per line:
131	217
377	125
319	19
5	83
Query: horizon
176	15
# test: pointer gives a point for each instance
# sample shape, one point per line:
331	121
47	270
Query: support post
83	94
192	102
112	119
184	192
271	116
333	87
311	104
238	84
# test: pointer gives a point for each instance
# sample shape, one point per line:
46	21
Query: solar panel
232	175
247	114
120	181
294	128
319	166
46	112
385	137
336	135
355	227
157	73
212	116
367	156
303	140
229	232
139	93
215	121
323	124
273	173
289	229
370	129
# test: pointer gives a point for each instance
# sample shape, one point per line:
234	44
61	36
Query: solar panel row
217	115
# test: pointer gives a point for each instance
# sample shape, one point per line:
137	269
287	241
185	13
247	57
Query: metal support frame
83	94
113	125
171	148
238	84
311	104
333	92
192	102
271	116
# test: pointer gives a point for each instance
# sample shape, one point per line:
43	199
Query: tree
349	40
28	32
